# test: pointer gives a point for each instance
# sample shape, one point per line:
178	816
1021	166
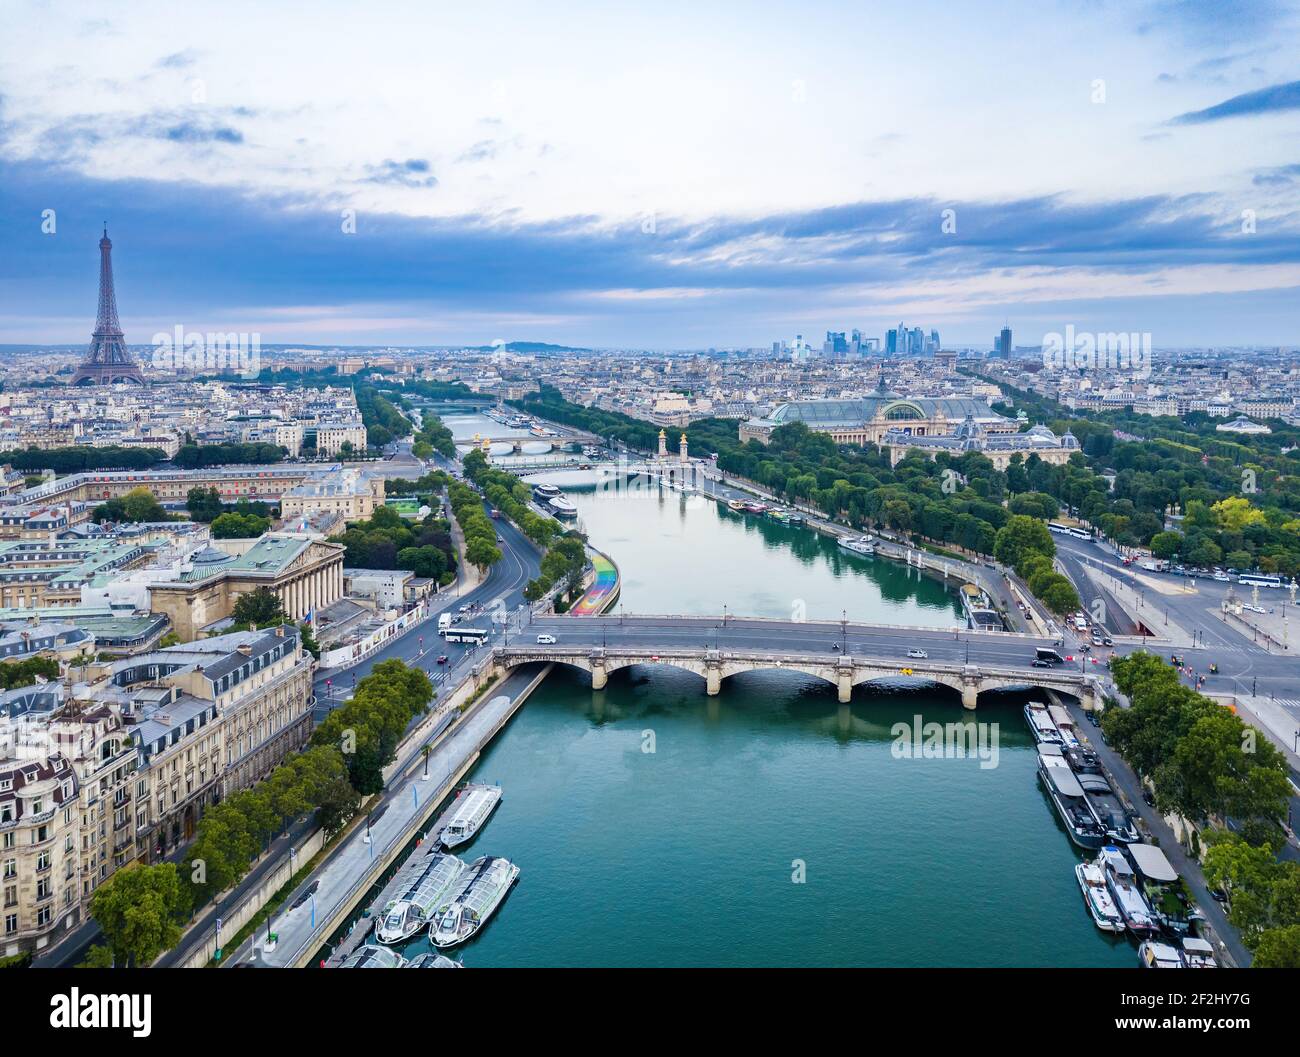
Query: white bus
477	636
1056	526
1259	580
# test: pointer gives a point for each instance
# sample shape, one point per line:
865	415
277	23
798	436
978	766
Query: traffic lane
859	641
1271	672
506	580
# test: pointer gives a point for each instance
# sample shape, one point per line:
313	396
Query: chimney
279	631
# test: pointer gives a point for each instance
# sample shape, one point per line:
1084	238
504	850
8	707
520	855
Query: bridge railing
925	667
732	619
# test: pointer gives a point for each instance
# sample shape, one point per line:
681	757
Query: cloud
1212	24
1280	176
179	60
414	172
1263	101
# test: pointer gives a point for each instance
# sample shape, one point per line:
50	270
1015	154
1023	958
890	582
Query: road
1273	673
500	592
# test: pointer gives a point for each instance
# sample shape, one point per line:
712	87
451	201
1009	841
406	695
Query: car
1108	641
546	640
918	654
1038	662
501	539
1223	578
442	658
1085	647
463	609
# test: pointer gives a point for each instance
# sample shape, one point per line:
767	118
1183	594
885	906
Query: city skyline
723	187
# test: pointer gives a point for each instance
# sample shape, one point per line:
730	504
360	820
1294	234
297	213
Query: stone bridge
844	672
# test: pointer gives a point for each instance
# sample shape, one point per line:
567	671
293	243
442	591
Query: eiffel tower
107	361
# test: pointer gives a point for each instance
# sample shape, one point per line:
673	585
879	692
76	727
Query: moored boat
1097	898
561	507
1068	796
1122	882
858	545
469	813
1155	955
1198	953
1041	725
432	960
408	914
371	956
481	890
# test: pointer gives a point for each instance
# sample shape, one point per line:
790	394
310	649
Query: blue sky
654	175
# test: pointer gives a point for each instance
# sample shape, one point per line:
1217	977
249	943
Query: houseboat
1068	796
1123	885
1097	898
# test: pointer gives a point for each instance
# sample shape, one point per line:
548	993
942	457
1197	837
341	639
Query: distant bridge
725	646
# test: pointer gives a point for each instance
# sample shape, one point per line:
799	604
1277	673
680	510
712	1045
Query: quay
323	903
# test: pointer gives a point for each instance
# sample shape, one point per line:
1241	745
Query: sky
653	174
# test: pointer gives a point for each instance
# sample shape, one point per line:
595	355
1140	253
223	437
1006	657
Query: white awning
1152	863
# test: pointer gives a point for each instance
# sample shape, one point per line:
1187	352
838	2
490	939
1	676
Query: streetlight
724	614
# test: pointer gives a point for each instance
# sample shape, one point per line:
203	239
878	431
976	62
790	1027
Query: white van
546	640
444	622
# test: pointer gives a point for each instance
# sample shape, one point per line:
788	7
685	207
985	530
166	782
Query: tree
239	526
482	552
309	642
1019	536
1278	948
98	957
1060	596
261	608
138	909
203	504
1166	544
137	505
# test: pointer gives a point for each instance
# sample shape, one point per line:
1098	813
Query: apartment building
120	768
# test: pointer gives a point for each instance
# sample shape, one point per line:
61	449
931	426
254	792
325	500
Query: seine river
769	825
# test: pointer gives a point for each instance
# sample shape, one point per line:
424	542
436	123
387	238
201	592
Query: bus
474	636
1259	580
1056	526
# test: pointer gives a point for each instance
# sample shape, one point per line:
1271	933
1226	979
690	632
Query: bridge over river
844	654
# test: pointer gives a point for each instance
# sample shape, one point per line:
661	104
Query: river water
769	825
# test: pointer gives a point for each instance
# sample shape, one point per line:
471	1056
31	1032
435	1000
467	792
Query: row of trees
368	729
1025	544
433	436
1208	766
142	909
196	456
82	458
511	496
382	419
